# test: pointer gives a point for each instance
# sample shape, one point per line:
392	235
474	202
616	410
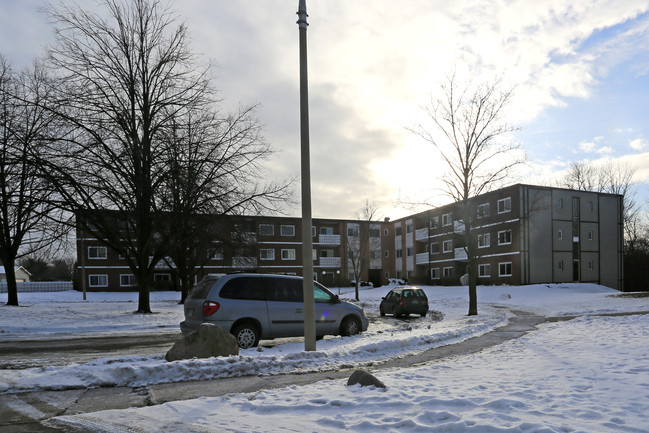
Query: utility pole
307	242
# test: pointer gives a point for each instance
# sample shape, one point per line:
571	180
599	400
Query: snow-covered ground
588	374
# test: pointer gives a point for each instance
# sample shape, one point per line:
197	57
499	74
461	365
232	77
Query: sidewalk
28	412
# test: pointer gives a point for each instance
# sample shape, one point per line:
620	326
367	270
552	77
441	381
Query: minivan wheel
247	335
350	326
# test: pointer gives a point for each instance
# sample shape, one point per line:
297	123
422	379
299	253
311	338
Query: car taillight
401	302
210	308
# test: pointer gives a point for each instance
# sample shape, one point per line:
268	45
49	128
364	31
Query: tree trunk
12	287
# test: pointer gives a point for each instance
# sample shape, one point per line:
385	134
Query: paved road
29	412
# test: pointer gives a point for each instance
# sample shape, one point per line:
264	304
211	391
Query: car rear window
201	289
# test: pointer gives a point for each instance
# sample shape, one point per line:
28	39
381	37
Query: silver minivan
255	307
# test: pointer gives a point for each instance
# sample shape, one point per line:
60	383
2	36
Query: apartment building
525	234
263	244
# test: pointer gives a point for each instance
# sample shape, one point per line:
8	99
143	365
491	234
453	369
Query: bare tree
467	128
26	214
124	79
358	242
214	170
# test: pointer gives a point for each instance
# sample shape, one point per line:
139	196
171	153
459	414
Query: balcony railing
458	226
329	239
244	262
421	234
330	262
422	258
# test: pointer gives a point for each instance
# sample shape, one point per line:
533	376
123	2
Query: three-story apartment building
524	234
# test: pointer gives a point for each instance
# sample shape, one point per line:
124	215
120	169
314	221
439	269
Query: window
590	206
409	251
483	210
504	237
434	248
375	254
314	254
505	269
375	233
484	270
560	234
484	240
447	246
408	228
434	222
326	253
266	229
161	277
288	254
127	280
561	265
214	254
97	252
385	232
448	271
326	230
590	235
590	265
504	205
352	231
397	231
559	203
387	253
287	230
434	273
446	219
399	253
98	280
267	254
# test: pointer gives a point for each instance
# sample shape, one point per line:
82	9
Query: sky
579	70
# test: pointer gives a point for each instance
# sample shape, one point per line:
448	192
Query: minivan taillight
210	308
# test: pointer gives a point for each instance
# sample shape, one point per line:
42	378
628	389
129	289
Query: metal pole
307	242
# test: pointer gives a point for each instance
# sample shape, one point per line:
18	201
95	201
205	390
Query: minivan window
321	295
248	288
284	289
200	290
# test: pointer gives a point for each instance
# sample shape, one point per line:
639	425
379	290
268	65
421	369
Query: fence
39	286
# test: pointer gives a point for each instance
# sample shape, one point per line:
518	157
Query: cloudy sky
580	70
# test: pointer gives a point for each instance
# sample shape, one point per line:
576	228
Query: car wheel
423	314
350	326
247	335
381	311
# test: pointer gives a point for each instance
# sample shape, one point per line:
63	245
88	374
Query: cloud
638	144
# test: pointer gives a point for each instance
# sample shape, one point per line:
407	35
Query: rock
207	341
364	378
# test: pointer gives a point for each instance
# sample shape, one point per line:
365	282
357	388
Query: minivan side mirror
336	300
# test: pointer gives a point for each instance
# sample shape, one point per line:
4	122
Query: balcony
329	239
460	254
422	258
330	262
421	234
244	262
458	226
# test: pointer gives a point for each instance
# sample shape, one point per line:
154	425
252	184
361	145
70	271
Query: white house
21	274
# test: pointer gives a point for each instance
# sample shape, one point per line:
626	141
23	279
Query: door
285	307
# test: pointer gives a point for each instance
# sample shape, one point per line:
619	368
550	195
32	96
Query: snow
586	374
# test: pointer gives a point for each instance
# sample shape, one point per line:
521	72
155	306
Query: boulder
364	378
207	341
